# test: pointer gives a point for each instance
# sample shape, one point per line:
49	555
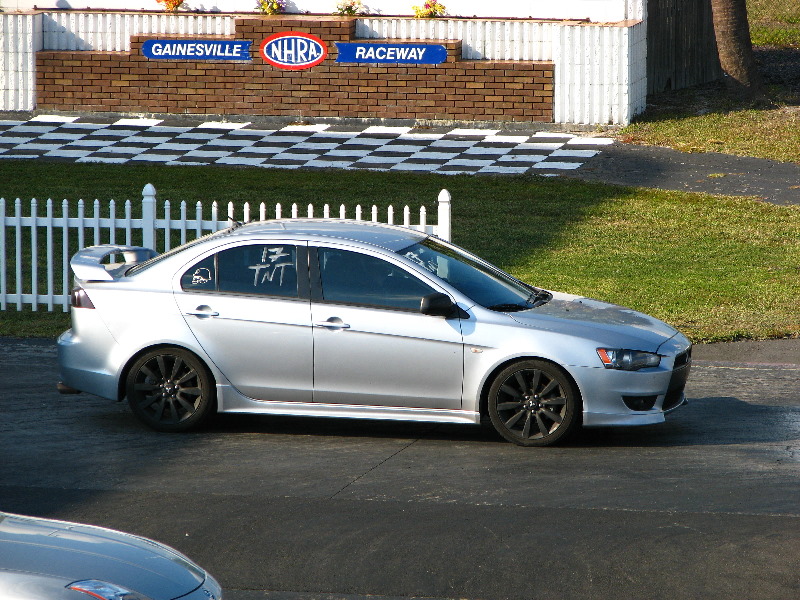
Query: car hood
565	312
75	552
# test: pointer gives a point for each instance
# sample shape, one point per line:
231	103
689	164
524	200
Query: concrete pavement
761	352
708	172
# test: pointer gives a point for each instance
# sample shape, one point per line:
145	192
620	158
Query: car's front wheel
170	389
534	403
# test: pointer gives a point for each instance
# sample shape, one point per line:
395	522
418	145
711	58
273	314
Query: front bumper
608	408
653	417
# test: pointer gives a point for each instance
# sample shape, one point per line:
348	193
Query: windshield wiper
536	298
509	307
539	297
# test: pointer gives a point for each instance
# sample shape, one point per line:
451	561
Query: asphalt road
709	172
706	505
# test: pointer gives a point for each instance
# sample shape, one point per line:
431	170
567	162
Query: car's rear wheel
170	389
534	403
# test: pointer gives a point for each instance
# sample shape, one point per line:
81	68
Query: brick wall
456	89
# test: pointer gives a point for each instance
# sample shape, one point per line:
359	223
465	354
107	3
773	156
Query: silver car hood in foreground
74	552
620	322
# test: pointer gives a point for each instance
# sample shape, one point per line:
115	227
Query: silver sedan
42	559
360	320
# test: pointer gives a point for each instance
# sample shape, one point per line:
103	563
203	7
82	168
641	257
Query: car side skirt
230	401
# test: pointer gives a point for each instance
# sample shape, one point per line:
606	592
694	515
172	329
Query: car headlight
103	590
627	360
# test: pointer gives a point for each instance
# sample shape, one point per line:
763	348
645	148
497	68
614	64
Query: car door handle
332	323
202	312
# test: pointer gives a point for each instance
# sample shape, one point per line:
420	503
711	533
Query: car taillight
80	299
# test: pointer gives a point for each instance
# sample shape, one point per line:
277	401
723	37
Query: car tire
170	389
534	403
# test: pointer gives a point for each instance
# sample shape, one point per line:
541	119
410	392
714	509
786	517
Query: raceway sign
197	49
415	54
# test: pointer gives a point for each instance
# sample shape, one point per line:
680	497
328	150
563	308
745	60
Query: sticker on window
201	277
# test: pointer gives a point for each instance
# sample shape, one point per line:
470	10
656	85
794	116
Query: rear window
177	250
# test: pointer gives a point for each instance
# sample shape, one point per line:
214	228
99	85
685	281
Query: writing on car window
267	270
273	261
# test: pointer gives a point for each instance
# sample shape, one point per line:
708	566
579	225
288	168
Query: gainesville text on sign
197	49
415	54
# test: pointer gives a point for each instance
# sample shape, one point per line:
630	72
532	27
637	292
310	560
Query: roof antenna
234	224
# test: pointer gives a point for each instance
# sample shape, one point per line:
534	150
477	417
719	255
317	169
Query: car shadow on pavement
710	421
341	428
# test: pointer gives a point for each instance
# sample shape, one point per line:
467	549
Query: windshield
486	285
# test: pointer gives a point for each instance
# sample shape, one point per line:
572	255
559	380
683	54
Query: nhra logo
293	50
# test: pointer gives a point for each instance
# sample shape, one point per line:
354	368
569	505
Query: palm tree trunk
734	47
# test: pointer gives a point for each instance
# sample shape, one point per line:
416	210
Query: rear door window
259	269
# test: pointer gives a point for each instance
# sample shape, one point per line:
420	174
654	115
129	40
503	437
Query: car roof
390	237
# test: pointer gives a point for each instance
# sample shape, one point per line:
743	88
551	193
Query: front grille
683	359
677	383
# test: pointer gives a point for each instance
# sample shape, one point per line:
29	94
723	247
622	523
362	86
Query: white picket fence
37	270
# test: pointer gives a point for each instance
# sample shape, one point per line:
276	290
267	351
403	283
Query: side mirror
437	305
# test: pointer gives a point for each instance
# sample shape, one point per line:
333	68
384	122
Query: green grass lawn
717	268
705	119
774	23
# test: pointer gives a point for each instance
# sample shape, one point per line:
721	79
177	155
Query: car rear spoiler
87	264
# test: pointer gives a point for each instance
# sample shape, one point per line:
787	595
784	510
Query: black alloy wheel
170	389
534	403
